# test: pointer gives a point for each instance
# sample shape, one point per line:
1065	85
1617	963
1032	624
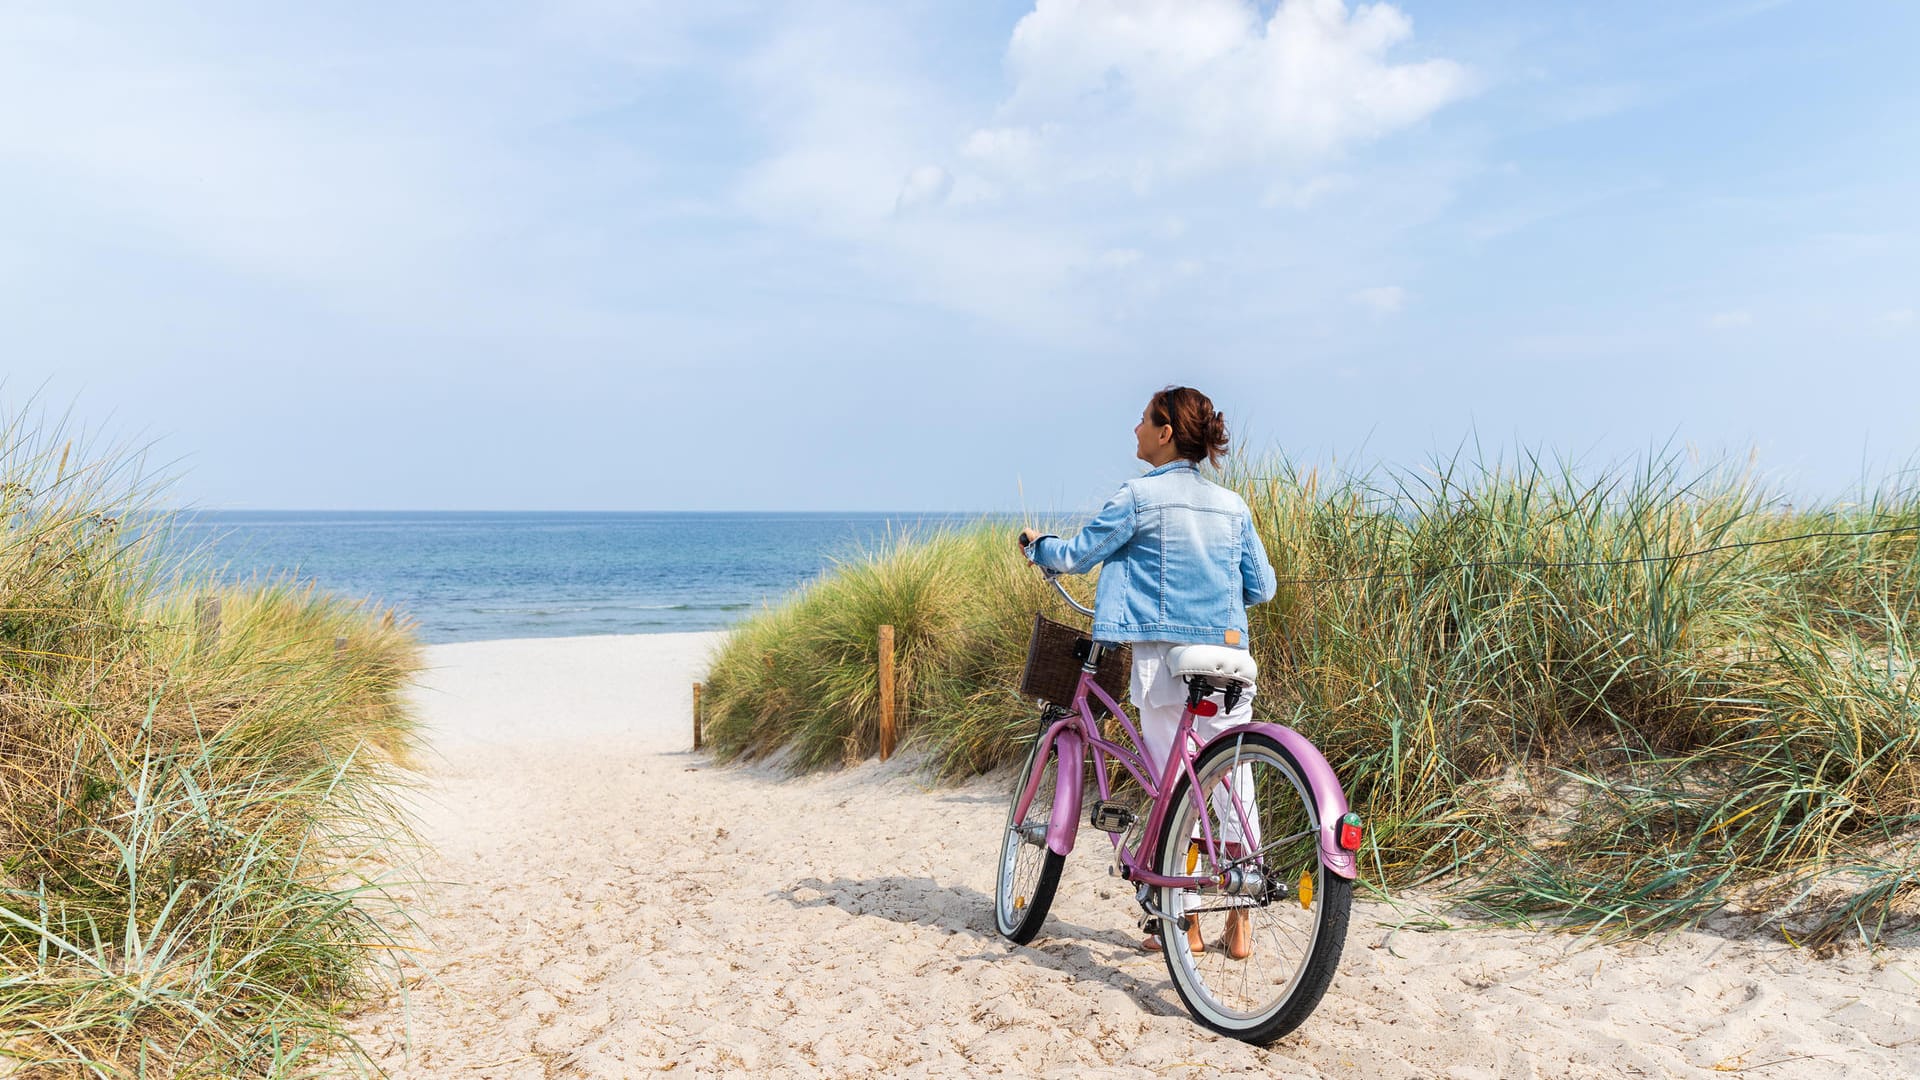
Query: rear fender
1329	798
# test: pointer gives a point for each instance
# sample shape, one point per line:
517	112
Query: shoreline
573	636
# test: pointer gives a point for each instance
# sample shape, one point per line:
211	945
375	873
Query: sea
478	576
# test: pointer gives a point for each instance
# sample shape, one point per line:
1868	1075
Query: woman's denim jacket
1182	560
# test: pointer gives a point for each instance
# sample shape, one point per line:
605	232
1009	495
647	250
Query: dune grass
1615	701
191	823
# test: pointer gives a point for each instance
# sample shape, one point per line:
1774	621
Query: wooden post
206	624
886	692
696	716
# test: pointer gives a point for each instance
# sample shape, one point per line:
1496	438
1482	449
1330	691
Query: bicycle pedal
1112	817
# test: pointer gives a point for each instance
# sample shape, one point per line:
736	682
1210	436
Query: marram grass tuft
193	818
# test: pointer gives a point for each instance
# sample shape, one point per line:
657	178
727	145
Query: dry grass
189	824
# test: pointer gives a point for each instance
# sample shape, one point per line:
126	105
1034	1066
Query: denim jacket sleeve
1256	573
1097	539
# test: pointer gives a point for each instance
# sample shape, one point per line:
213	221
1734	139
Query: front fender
1069	774
1330	799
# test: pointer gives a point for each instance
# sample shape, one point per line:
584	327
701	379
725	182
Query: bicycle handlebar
1054	580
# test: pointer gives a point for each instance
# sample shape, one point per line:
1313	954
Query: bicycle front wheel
1029	872
1273	936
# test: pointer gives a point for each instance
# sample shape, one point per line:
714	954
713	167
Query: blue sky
904	255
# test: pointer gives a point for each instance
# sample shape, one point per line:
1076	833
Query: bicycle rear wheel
1272	939
1029	872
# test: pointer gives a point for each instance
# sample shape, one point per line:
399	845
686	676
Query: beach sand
608	903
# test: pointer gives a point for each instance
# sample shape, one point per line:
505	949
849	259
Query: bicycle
1268	839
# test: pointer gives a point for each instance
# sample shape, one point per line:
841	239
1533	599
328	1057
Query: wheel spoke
1282	842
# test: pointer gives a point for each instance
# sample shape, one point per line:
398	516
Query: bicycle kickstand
1154	914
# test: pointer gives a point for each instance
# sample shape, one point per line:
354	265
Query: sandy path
613	905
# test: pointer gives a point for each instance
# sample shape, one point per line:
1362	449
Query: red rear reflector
1350	832
1206	708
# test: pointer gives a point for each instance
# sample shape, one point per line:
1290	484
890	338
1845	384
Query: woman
1181	563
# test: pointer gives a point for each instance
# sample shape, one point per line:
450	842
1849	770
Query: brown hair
1198	431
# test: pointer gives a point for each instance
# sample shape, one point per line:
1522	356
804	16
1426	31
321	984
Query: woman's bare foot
1239	936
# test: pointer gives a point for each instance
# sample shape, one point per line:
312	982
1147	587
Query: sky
585	254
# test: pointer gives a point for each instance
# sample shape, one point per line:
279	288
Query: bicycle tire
1307	948
1029	873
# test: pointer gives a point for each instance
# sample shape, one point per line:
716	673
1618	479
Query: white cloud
1898	317
1002	149
1729	320
1136	104
925	186
1153	87
1382	299
845	117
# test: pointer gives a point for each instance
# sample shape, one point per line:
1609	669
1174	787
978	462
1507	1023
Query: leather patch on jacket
1233	637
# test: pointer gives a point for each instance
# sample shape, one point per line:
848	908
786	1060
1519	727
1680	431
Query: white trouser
1161	696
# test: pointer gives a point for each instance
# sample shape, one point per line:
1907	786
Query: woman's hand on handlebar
1028	536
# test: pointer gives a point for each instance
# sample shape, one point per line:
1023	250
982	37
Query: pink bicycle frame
1076	732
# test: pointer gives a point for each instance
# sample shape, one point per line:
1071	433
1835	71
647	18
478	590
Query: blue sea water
475	576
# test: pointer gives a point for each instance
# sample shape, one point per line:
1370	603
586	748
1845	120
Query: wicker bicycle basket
1054	655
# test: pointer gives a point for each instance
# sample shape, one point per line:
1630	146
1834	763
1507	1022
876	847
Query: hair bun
1199	432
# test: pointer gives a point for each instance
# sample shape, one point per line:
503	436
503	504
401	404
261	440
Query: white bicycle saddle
1214	662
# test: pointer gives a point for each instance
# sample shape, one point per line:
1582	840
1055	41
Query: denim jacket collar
1176	463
